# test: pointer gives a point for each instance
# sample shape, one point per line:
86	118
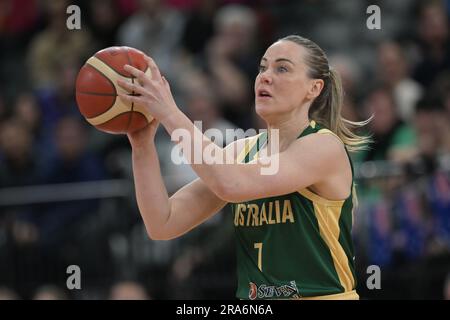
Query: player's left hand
153	93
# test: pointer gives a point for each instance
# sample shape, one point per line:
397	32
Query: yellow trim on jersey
314	197
261	146
328	219
248	145
327	213
324	131
351	295
355	197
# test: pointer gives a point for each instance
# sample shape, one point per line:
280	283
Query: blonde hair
326	108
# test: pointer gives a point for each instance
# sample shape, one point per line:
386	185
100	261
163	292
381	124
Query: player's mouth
263	94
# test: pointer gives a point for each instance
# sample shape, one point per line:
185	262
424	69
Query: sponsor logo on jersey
264	291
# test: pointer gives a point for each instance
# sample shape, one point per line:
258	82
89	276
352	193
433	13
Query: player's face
282	83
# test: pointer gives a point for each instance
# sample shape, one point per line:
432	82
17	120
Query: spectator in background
432	127
447	288
58	101
350	75
394	74
70	163
50	292
19	166
440	93
433	34
3	110
439	202
50	223
199	27
445	123
413	226
393	139
128	290
156	30
127	7
18	24
8	294
380	249
203	105
46	52
17	19
104	21
27	110
429	138
232	62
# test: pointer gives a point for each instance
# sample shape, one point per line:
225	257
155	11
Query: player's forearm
151	193
216	175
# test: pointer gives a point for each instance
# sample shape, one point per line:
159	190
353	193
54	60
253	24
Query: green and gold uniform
296	245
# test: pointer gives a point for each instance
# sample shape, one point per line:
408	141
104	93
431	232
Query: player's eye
282	69
262	68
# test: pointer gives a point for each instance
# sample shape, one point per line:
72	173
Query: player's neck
288	130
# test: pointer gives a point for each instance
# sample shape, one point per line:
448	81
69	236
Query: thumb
153	125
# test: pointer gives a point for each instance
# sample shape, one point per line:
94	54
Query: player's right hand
144	136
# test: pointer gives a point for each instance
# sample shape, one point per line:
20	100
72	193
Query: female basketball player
293	227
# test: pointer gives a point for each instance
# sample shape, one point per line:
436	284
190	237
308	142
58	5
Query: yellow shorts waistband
349	295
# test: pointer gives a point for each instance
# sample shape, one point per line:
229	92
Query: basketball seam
101	124
110	82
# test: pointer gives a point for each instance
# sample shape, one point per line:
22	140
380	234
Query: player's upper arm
189	207
194	203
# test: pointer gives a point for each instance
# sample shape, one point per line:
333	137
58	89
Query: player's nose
265	77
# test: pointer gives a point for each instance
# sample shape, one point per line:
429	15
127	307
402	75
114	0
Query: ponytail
326	108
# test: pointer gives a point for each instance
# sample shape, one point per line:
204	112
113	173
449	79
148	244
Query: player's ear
315	88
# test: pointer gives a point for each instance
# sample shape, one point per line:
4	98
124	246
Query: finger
131	99
166	83
138	74
156	74
131	87
154	123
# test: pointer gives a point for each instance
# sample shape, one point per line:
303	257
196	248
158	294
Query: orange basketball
97	91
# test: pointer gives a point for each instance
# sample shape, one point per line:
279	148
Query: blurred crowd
209	50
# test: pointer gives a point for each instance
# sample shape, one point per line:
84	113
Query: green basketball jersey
295	245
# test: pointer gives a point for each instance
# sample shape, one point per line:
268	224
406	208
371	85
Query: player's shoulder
323	142
323	154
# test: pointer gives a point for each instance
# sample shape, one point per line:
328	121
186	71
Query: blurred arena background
66	191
